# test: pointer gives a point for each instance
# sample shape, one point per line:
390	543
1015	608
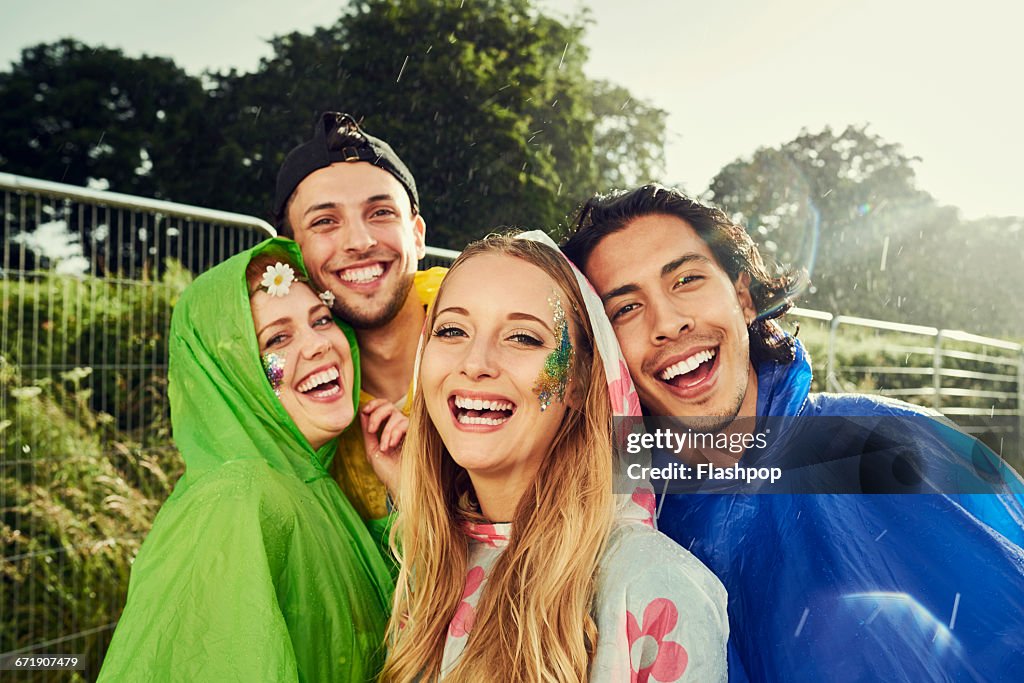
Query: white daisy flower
328	298
278	279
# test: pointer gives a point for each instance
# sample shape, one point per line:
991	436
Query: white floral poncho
661	614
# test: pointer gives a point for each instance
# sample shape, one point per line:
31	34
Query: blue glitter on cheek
273	366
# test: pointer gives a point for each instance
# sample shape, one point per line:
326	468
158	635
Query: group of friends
405	475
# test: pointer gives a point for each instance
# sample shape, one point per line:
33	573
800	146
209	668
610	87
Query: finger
397	430
377	418
393	433
371	406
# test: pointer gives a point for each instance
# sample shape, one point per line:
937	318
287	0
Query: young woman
257	567
515	563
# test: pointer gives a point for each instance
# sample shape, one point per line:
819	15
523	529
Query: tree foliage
486	102
80	115
846	205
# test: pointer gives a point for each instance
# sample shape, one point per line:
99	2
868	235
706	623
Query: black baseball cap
337	137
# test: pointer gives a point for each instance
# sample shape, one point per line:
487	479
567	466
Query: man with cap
351	204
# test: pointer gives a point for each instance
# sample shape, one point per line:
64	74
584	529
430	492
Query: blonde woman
516	562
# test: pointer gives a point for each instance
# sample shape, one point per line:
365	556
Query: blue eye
323	321
526	339
276	340
449	331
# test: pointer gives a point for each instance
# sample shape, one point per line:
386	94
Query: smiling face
493	352
681	322
307	359
359	239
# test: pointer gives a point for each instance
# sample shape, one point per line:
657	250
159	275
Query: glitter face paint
273	366
554	376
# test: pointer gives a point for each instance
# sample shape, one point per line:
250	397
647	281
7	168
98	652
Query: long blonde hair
533	622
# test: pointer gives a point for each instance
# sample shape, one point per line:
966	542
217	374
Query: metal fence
976	381
89	279
88	282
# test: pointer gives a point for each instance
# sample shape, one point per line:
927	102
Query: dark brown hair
730	244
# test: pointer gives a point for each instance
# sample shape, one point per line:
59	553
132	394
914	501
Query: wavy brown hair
533	622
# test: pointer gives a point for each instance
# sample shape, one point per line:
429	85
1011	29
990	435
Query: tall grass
86	454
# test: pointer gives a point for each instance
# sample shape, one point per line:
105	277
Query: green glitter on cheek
554	376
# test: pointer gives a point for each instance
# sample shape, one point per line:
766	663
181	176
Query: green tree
79	114
629	137
485	101
846	206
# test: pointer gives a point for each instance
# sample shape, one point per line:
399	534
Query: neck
746	419
498	496
748	407
388	354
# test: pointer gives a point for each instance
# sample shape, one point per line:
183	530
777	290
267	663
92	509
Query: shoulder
639	560
247	491
864	405
427	283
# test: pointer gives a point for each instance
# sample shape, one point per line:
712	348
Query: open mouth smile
692	371
321	384
488	412
363	274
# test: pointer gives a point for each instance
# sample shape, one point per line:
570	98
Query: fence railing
976	381
88	282
89	279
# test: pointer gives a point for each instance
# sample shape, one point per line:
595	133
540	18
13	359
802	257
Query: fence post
937	371
830	368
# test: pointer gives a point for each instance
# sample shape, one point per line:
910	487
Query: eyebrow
319	207
333	205
458	310
666	269
286	319
669	267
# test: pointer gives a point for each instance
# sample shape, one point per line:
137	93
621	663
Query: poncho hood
222	405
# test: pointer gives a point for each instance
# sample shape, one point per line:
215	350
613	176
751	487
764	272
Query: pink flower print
625	401
484	533
644	497
465	615
649	653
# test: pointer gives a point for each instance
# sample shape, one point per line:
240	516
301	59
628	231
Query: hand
384	428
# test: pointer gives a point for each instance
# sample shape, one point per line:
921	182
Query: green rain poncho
257	568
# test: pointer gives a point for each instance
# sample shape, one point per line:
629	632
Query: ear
744	298
419	231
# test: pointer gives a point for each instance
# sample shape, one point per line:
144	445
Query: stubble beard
371	320
713	424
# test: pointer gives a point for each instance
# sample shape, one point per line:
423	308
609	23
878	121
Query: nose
359	237
315	344
669	320
479	361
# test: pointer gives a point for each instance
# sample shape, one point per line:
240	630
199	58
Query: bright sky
942	79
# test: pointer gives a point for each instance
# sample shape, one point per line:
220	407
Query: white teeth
362	275
317	379
478	404
687	364
466	420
